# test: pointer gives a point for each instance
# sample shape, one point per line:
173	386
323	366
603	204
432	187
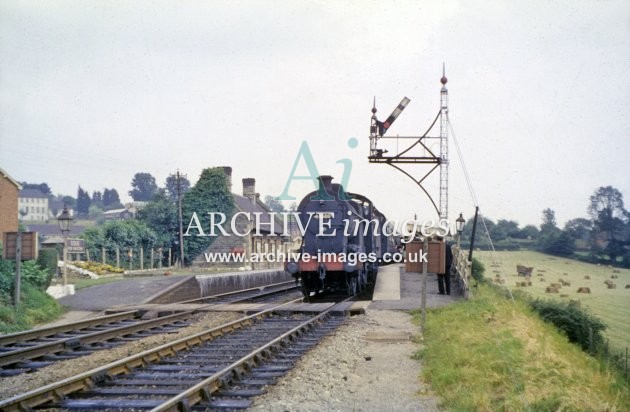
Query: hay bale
550	289
542	279
616	271
584	289
555	285
614	277
587	277
627	286
564	296
612	286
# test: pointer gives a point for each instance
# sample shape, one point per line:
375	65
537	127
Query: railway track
31	350
28	351
221	368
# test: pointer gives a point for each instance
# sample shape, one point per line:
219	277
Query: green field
610	305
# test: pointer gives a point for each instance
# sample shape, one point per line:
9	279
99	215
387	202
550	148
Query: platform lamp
64	219
459	226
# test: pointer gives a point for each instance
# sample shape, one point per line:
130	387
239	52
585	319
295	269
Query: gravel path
366	365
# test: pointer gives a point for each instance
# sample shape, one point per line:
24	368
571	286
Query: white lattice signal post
418	152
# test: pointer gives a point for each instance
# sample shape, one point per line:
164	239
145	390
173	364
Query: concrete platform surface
123	292
410	293
387	285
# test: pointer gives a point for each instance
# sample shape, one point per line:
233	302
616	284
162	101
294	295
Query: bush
48	260
36	307
33	274
579	325
478	270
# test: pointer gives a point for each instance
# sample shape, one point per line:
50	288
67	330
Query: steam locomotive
344	240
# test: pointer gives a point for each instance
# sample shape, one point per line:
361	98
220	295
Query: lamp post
64	219
459	226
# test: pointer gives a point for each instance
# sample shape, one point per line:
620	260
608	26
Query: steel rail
204	389
64	344
57	391
66	327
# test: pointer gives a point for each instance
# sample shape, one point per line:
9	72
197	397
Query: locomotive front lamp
459	226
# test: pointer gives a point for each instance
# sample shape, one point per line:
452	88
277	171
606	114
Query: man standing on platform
444	279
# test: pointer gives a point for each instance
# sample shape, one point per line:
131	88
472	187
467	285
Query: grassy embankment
612	306
488	354
36	307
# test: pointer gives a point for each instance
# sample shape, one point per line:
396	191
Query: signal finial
374	106
443	80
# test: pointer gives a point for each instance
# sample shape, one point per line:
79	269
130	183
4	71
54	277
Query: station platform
397	289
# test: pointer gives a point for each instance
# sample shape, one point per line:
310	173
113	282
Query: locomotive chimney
227	170
326	182
249	188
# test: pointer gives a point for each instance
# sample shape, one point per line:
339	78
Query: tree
97	199
111	200
549	220
274	204
143	187
609	219
530	232
69	201
579	228
171	185
42	187
161	216
83	202
209	194
549	232
121	234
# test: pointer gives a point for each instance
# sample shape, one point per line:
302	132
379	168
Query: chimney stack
326	182
249	188
227	170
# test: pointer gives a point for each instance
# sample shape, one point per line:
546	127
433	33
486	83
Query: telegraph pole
181	227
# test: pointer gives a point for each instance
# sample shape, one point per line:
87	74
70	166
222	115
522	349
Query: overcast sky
92	92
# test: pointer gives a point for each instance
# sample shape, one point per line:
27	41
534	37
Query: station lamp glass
459	224
64	219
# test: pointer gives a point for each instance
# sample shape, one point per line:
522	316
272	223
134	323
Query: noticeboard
75	246
436	257
30	245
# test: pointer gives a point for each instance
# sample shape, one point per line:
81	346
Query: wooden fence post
141	258
103	255
117	257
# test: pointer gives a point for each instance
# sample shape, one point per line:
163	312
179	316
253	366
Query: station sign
75	246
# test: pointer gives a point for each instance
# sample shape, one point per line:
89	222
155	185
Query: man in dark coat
444	279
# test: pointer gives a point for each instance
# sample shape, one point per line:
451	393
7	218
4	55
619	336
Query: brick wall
8	206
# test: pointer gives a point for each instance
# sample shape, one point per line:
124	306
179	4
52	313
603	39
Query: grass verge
36	307
488	354
610	305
